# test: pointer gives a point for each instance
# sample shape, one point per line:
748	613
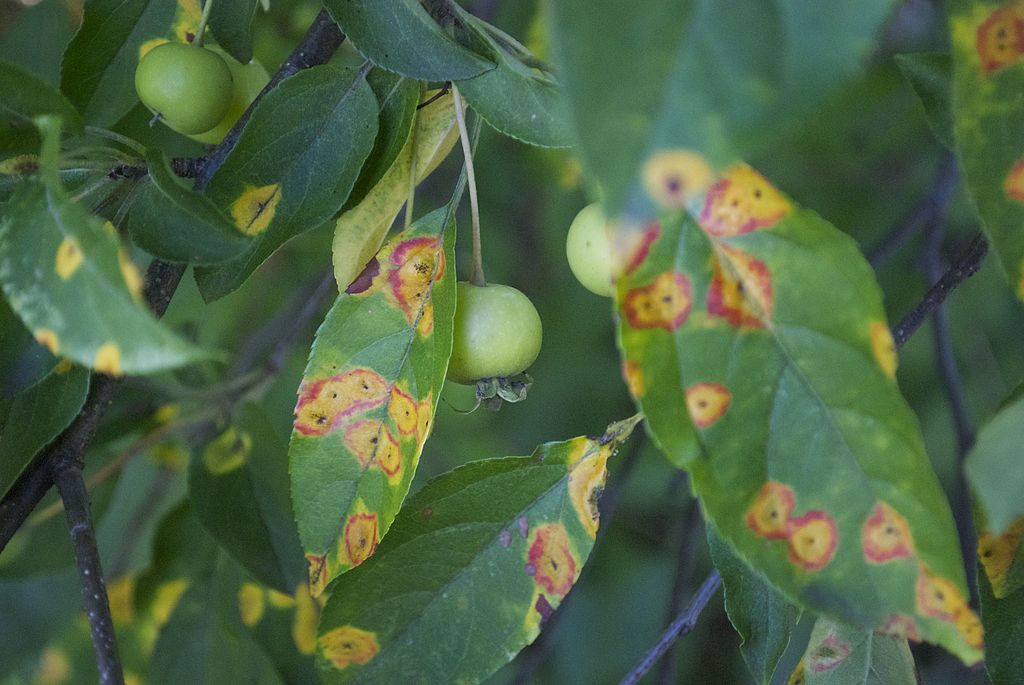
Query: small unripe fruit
188	86
497	333
248	80
589	250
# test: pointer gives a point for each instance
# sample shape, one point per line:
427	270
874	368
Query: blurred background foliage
865	160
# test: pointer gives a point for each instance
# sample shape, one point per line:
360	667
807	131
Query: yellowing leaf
254	209
360	231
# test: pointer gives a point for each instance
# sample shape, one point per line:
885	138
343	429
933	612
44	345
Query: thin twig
686	566
94	590
966	265
477	275
683	624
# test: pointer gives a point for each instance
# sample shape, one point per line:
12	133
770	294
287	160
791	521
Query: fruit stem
477	275
201	28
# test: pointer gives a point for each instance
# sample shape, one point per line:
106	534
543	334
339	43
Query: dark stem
965	266
72	490
686	566
183	167
683	624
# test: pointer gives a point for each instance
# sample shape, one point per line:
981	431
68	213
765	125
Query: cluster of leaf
451	582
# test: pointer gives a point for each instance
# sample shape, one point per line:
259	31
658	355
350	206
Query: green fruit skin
249	80
497	333
589	251
188	86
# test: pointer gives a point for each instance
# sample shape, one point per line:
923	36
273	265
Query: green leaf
23	361
930	75
361	229
68	279
369	394
231	22
293	167
843	655
987	110
25	96
481	556
99	63
516	99
239	489
401	36
719	77
763	618
995	467
764	325
36	417
1004	633
172	222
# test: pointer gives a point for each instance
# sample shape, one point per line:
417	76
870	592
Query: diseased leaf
231	22
24	96
988	74
368	397
361	229
720	77
23	361
763	618
293	167
516	99
238	483
764	325
172	222
96	73
843	655
930	74
66	276
1004	633
401	36
482	555
36	417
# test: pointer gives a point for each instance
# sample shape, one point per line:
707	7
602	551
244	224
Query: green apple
589	251
188	86
497	333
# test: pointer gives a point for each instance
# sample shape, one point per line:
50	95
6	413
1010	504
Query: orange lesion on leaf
938	597
707	402
349	645
827	654
372	443
769	515
425	326
673	178
740	202
899	626
1013	184
550	561
254	209
586	483
359	539
969	626
633	244
883	347
69	257
663	303
108	359
316	565
634	377
323	404
402	409
813	539
417	262
48	339
424	417
1000	39
886	536
996	554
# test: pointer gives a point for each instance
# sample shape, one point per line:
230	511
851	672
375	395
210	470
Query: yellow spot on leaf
253	211
130	274
20	165
149	45
186	20
586	483
307	616
359	539
349	645
227	452
171	454
402	409
63	366
250	603
48	339
634	377
121	593
108	359
996	554
69	258
280	600
167	413
167	596
54	667
797	677
883	347
672	178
